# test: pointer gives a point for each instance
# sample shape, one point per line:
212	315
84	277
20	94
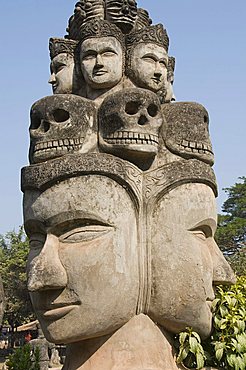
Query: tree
231	232
13	256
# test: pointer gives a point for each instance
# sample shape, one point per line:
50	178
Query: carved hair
58	46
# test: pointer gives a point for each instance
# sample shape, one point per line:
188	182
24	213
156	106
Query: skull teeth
196	147
59	145
128	137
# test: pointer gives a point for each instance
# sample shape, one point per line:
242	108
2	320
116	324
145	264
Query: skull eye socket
205	119
35	122
60	115
152	110
132	107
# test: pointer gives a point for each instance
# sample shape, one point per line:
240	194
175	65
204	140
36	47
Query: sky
206	37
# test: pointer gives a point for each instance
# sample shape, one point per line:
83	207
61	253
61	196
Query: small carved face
148	66
61	124
62	74
169	89
101	62
187	133
129	123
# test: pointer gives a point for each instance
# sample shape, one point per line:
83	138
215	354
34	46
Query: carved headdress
100	28
155	34
59	45
84	11
123	13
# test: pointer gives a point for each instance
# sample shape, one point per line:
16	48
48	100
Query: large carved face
61	124
187	132
101	62
148	66
186	261
129	123
83	261
62	74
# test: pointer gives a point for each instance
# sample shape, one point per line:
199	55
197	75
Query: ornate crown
59	45
100	28
155	34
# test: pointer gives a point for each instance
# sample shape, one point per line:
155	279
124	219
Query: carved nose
46	271
222	271
52	79
99	61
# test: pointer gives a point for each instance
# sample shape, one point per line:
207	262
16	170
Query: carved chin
42	151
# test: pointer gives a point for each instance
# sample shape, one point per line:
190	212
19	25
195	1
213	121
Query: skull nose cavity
152	110
46	126
142	120
132	107
60	115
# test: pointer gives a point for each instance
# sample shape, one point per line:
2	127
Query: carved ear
78	78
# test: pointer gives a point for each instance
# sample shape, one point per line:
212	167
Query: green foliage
226	347
13	256
191	352
229	337
231	232
23	359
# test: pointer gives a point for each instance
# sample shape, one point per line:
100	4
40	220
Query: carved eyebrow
79	217
150	55
208	223
90	51
34	226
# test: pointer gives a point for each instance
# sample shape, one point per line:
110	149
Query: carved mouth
196	147
156	80
59	145
100	73
127	137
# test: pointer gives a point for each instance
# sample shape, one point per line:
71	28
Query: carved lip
54	87
57	311
156	80
100	72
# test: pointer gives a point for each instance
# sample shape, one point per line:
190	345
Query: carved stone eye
132	107
152	110
60	115
36	122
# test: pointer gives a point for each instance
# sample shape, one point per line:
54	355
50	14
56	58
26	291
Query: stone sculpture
119	199
62	66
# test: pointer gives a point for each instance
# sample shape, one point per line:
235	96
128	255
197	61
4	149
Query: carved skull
187	133
129	123
61	124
